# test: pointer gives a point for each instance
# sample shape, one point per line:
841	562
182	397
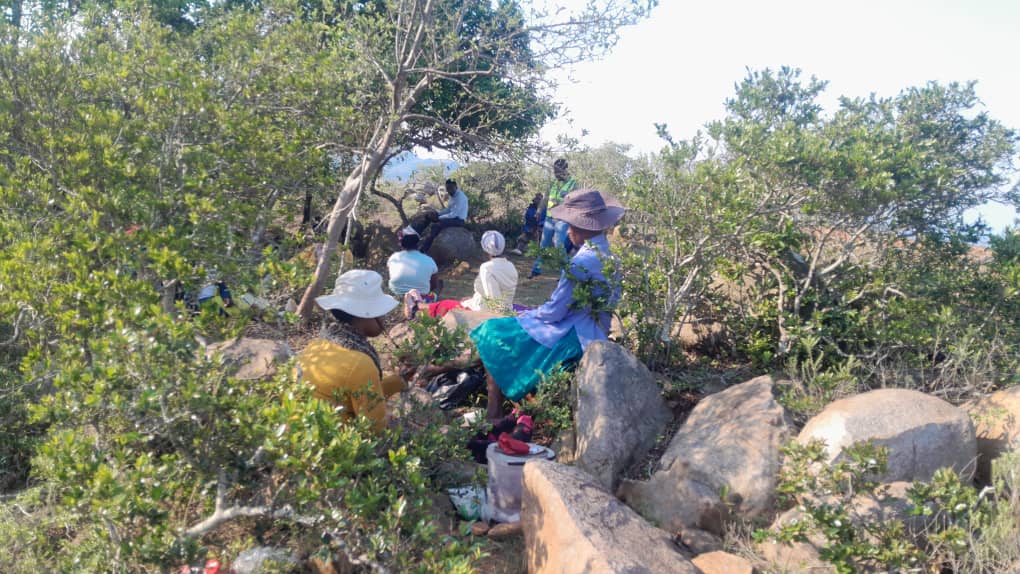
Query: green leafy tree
135	159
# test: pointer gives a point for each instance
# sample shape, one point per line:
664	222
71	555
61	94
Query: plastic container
506	475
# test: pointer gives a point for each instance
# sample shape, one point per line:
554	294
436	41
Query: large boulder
730	444
997	427
455	244
250	359
923	433
619	412
572	525
706	337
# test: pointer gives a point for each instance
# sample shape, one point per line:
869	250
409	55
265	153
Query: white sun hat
358	292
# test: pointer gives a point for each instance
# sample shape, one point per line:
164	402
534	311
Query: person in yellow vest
554	231
341	365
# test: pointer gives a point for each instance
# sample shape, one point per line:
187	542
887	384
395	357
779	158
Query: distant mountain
404	165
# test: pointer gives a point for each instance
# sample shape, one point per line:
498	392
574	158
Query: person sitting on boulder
411	269
453	215
518	351
341	365
534	218
494	287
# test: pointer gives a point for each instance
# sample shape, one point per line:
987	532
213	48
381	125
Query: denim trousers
554	232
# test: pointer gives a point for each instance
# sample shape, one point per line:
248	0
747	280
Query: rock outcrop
923	433
997	428
455	244
571	525
730	444
618	414
251	359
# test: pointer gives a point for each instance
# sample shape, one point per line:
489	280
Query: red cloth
440	308
512	446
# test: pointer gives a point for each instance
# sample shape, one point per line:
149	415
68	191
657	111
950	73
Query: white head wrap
493	242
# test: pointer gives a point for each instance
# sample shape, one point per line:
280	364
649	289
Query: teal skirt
516	361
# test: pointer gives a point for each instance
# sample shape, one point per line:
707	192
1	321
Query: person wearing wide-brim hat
518	351
341	365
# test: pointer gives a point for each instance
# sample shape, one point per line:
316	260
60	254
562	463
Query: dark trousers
436	228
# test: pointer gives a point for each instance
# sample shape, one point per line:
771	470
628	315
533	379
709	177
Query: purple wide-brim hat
589	209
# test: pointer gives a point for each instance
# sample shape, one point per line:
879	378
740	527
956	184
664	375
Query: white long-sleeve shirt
495	287
458	207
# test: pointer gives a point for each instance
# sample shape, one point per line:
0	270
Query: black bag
454	388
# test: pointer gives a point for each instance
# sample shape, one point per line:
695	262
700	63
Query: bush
967	530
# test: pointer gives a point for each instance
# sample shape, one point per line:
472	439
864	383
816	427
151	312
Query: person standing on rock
554	231
517	351
454	215
341	365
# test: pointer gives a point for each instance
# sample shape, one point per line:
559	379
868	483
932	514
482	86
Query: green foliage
134	159
152	462
813	384
845	229
824	493
965	530
433	343
552	407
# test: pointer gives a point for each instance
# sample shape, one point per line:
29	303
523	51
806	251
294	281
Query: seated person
411	269
216	289
517	351
214	294
341	364
534	218
453	215
494	287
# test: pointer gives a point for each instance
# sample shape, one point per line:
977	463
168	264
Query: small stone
723	563
479	529
321	566
700	541
505	530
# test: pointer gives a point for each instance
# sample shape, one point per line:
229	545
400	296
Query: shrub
966	530
151	449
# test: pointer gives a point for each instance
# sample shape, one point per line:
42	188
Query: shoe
516	251
411	300
534	274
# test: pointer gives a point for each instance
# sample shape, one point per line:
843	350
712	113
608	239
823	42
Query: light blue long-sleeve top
554	319
458	207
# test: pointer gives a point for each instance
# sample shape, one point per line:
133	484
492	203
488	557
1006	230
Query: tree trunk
306	213
345	202
16	16
397	204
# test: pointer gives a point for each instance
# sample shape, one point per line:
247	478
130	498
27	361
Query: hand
406	371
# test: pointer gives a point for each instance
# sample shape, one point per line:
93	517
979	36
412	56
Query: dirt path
459	282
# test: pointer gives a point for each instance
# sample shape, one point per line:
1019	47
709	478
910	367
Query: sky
680	65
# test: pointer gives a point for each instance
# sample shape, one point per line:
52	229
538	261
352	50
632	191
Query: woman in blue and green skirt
518	351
